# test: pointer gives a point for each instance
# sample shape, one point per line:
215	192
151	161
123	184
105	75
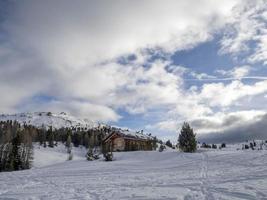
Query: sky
147	65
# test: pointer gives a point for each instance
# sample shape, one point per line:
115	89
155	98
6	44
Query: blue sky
204	57
140	68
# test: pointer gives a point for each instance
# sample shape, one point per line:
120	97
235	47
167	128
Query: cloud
165	125
238	72
79	109
223	121
240	128
19	77
70	51
201	76
73	35
216	107
151	87
246	33
236	126
223	94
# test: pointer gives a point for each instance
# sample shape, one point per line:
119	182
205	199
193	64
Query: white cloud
237	72
214	107
75	34
166	125
68	50
221	94
201	76
147	88
247	32
261	49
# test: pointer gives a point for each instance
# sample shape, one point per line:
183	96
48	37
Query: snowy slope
56	120
51	156
207	174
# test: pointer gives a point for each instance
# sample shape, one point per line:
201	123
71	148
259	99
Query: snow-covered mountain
47	119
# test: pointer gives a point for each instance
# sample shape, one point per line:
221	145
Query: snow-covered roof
128	135
135	134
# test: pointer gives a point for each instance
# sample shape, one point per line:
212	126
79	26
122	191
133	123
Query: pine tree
187	139
91	140
16	153
68	142
50	136
169	144
27	149
16	146
43	135
9	158
76	139
86	140
69	146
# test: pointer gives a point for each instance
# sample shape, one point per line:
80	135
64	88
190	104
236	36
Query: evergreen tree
27	149
68	142
69	146
15	157
8	158
43	136
169	144
50	136
86	140
91	140
16	146
187	139
76	139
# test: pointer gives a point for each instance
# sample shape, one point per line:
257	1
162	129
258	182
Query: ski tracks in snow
204	177
201	191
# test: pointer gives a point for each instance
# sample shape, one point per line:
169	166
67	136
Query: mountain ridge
47	119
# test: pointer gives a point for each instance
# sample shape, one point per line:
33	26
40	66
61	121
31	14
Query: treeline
16	141
16	150
77	136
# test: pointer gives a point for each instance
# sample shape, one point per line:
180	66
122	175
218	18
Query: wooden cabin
121	140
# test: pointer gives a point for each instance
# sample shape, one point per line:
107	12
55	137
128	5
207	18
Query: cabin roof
126	134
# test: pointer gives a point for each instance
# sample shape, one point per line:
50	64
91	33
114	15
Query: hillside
207	174
47	119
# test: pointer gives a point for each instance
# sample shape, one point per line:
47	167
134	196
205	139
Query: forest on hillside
16	141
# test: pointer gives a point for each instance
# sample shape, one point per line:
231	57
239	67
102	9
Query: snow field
207	174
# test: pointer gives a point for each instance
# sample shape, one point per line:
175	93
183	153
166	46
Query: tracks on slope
204	177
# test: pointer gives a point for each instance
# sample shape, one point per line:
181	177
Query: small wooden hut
124	140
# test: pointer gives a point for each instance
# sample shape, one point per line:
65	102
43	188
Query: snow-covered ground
50	156
207	174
